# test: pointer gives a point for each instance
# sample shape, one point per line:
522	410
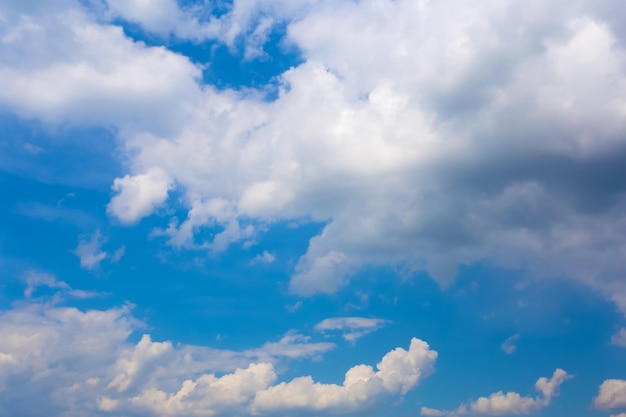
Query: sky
384	208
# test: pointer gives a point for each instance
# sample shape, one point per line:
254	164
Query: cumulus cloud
398	372
426	134
510	403
90	251
611	395
81	362
352	328
138	195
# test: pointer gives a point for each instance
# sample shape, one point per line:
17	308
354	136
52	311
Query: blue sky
312	208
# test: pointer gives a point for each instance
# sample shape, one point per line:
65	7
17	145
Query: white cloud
510	403
423	144
619	338
118	254
81	362
73	69
432	412
139	195
611	395
352	328
398	372
35	279
89	251
264	258
509	345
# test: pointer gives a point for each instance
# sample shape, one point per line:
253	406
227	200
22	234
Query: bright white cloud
611	395
510	403
90	251
352	328
82	363
398	372
139	195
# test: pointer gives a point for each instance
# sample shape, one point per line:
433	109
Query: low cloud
81	362
611	395
509	403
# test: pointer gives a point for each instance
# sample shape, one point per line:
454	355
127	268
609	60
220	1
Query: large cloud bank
425	134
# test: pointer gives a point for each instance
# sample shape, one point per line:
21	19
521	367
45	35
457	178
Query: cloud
619	338
432	412
118	254
509	344
35	279
398	372
510	403
352	328
611	395
427	145
82	362
265	258
89	251
139	195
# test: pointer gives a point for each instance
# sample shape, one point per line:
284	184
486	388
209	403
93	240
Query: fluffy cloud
423	134
510	403
611	395
139	195
78	71
352	328
398	372
81	362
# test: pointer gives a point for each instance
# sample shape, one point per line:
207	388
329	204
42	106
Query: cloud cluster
398	372
510	403
423	134
81	362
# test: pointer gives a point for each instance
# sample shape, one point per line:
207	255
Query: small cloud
432	412
353	328
294	307
619	338
36	279
118	254
509	344
264	258
89	253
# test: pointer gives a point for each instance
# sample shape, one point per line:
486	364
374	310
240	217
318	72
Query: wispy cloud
352	328
509	346
89	251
